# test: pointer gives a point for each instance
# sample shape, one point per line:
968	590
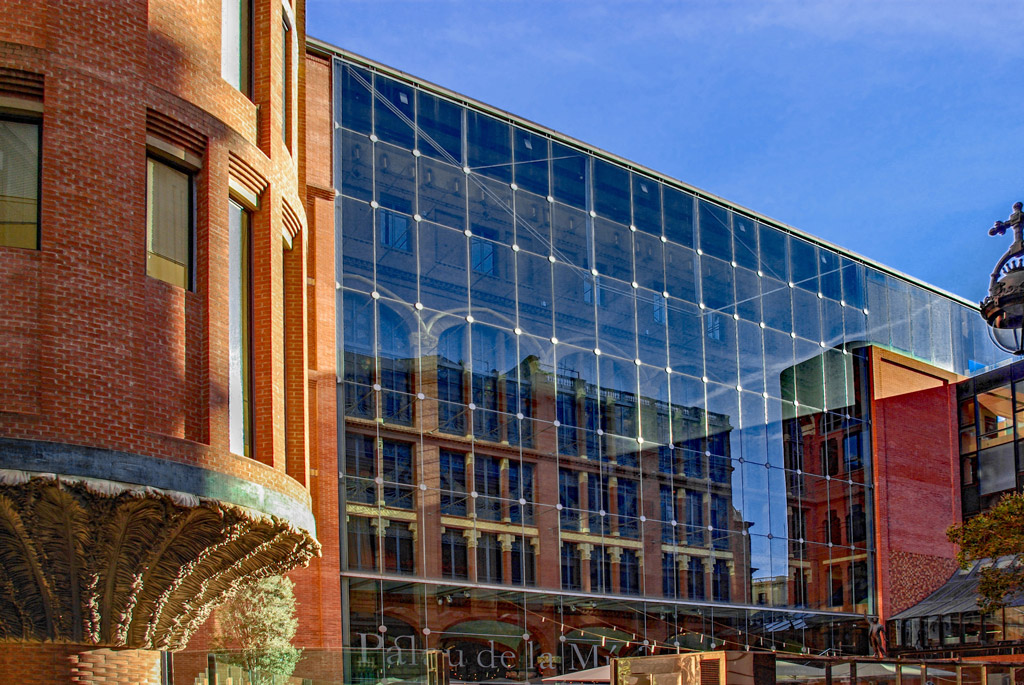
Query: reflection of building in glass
590	411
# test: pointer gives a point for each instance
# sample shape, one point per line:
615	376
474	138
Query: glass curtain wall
623	418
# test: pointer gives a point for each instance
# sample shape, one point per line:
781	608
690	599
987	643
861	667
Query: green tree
999	532
255	629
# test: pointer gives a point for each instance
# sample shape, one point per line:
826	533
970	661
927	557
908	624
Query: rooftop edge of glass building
591	411
988	355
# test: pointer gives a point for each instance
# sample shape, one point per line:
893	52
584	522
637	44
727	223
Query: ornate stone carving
108	564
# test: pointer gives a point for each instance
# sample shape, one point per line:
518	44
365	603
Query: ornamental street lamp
1003	309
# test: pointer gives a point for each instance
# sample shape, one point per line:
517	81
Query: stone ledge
137	469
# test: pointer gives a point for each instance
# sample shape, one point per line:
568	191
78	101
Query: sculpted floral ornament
109	564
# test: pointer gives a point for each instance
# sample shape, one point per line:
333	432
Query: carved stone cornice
110	564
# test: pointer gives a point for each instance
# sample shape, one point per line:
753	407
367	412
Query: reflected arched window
834	528
494	365
695	578
720	581
359	356
394	350
451	355
576	406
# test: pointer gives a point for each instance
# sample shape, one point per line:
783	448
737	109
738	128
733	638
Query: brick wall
109	357
106	356
916	479
58	663
318	587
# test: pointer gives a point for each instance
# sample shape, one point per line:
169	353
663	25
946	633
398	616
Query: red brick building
156	408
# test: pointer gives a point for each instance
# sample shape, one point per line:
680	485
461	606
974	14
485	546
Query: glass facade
589	412
991	434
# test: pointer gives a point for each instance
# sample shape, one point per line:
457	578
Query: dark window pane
362	544
356	104
744	242
569	184
442	193
570	559
678	216
488	559
397	473
523	562
804	264
831	278
453	555
398	548
611	191
531	153
393	111
853	283
774	261
395	178
715	236
489	149
453	483
440	129
356	166
646	205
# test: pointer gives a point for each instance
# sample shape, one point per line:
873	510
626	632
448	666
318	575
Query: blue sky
894	129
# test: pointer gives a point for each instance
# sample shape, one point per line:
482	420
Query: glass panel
533	223
575	306
396	253
715	232
442	194
531	161
853	283
777	304
647	205
774	253
681	272
569	176
716	284
685	338
996	469
803	260
439	133
651	320
611	191
995	416
443	272
533	284
613	250
357	166
679	213
649	269
745	241
393	112
395	178
356	103
490	210
830	274
720	348
489	150
748	295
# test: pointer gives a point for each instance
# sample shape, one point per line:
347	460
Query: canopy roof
958	595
